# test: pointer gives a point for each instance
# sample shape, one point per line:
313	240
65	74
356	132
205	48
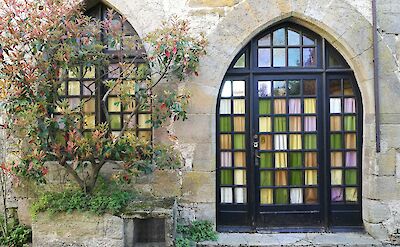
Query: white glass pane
280	142
264	88
226	195
226	159
240	195
238	88
296	196
226	90
225	106
335	105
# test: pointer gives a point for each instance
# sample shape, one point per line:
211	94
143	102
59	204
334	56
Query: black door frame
238	218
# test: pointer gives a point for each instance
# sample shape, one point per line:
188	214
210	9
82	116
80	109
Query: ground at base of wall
293	239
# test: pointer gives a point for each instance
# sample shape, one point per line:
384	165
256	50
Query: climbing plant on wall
44	42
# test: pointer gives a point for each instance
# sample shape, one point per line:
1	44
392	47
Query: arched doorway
289	135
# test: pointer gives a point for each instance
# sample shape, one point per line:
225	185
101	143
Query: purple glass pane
351	159
349	105
310	124
309	57
294	106
337	194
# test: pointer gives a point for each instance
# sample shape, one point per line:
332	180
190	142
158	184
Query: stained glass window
84	85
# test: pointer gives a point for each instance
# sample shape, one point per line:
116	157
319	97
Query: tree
41	42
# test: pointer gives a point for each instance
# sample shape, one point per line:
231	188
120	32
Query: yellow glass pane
61	89
310	106
295	142
311	177
336	123
115	121
239	124
239	106
280	160
73	72
144	121
280	106
336	177
336	159
240	177
240	159
90	72
265	142
265	124
266	196
132	122
226	141
74	88
294	123
90	121
350	141
130	106
311	159
351	194
89	106
281	178
114	104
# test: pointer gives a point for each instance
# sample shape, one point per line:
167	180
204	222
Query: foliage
18	236
197	231
43	41
105	199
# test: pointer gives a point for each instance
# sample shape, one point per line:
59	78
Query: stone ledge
293	239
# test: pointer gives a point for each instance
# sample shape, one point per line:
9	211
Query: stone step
293	239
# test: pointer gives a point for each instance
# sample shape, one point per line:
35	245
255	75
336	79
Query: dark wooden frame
330	216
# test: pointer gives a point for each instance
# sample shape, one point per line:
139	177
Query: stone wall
229	25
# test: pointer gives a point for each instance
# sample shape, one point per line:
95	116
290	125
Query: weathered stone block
166	183
375	211
199	187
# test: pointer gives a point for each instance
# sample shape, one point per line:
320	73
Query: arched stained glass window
289	135
85	84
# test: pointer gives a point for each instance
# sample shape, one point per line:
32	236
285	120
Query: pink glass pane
349	105
337	194
351	159
294	106
310	124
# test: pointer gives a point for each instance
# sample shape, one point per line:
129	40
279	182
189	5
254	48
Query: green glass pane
266	178
239	141
350	123
115	121
336	141
241	62
266	160
351	177
310	141
281	196
225	124
264	106
296	178
226	177
280	124
295	160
